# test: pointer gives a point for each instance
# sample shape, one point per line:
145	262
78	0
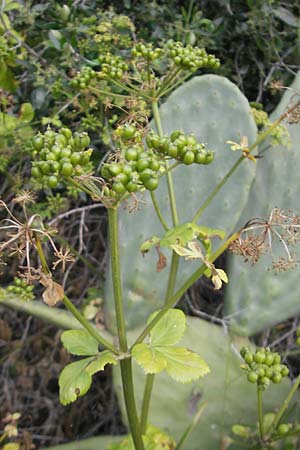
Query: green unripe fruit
85	157
75	158
260	357
52	157
143	155
52	181
252	377
84	140
260	372
45	168
61	140
248	358
277	358
269	359
285	371
114	169
276	378
277	368
154	141
56	150
55	166
154	165
189	158
132	187
142	164
66	152
191	140
172	151
146	175
122	177
283	429
209	157
268	372
175	135
244	351
131	154
200	157
36	172
128	131
67	169
127	170
298	340
118	187
151	184
38	142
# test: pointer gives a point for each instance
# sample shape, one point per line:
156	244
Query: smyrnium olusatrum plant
134	85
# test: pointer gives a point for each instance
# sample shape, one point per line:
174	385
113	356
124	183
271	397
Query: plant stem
116	276
158	211
126	367
172	276
285	405
186	285
146	401
258	141
128	391
260	413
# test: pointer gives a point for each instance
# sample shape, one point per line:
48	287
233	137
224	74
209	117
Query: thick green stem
116	276
258	141
172	277
126	368
260	413
128	391
146	401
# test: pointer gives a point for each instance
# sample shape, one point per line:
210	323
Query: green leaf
26	112
148	358
105	357
11	5
79	342
170	329
74	381
7	80
184	365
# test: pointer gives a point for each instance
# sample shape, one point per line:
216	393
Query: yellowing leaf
148	358
184	365
106	357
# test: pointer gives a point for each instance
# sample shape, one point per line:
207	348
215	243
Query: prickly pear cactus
256	297
214	110
229	397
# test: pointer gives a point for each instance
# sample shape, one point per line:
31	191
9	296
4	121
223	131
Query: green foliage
173	404
214	110
76	378
181	364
